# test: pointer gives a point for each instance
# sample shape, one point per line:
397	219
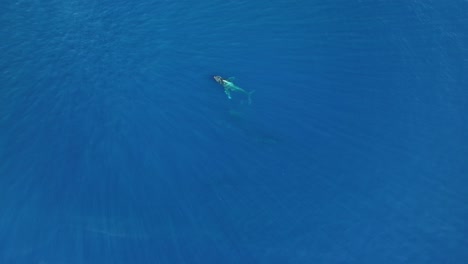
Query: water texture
117	145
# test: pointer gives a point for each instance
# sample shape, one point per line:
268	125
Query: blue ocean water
117	145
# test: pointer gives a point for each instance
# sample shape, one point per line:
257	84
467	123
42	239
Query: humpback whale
229	87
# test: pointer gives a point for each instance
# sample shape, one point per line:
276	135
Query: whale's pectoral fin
231	79
249	96
228	93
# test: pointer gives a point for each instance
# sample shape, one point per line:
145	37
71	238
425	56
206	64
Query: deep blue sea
117	145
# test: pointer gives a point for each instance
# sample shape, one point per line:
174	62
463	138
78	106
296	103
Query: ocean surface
118	146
